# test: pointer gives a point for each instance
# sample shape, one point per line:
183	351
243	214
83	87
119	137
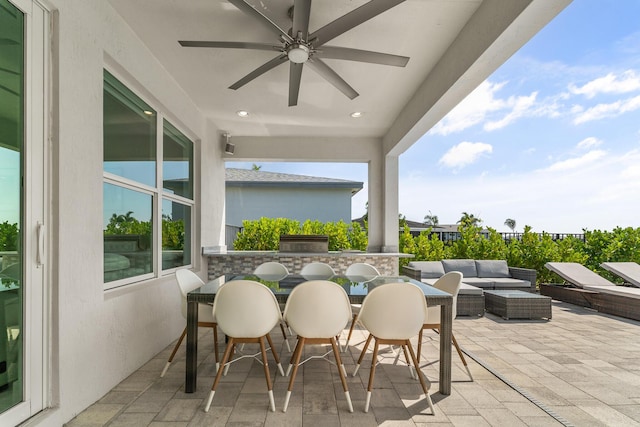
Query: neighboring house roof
258	178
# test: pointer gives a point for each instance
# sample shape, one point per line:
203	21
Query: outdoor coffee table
510	304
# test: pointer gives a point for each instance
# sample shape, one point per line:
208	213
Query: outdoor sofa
477	275
586	288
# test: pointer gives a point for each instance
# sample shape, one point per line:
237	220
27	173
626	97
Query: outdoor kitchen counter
245	262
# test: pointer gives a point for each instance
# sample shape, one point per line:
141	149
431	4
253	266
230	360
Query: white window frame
157	193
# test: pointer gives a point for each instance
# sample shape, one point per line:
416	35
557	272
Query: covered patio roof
452	46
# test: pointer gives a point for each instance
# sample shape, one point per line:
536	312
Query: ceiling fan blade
229	45
350	20
332	77
259	71
301	12
333	52
295	74
264	20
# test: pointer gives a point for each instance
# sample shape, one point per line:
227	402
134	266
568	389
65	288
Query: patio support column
390	206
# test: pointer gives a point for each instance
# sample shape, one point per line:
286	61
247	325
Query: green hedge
533	250
264	234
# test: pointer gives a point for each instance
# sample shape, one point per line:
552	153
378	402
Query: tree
469	220
431	220
255	167
511	223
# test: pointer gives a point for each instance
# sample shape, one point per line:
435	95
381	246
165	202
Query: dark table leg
446	324
192	347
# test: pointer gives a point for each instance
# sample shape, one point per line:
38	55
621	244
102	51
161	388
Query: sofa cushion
492	268
510	283
466	289
429	269
479	282
465	266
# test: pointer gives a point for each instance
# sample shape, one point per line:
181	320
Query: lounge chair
592	290
629	271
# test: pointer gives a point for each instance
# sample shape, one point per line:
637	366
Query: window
148	189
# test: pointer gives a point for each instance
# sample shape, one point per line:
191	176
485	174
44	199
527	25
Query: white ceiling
453	45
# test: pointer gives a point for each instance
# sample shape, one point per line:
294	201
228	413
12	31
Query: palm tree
469	220
431	220
511	223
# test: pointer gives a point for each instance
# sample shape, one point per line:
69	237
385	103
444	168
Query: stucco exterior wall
100	338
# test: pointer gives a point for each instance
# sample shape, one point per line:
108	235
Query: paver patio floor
581	368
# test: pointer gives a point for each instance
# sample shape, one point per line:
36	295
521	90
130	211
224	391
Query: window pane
176	234
128	229
11	154
129	132
177	164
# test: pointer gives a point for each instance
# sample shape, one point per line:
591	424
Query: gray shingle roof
258	177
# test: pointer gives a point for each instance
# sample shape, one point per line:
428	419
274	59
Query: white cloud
613	109
589	143
520	106
464	154
603	196
627	82
576	162
471	110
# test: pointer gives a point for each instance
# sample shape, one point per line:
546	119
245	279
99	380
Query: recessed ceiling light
242	113
356	114
148	112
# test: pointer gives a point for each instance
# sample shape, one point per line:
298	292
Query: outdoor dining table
356	288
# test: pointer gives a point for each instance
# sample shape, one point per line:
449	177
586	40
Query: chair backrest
271	271
187	281
361	272
450	283
246	309
394	311
317	271
577	274
318	309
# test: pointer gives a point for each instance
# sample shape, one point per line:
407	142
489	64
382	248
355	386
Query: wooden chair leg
464	361
336	353
371	375
295	362
225	357
364	350
421	378
275	355
267	375
173	353
353	324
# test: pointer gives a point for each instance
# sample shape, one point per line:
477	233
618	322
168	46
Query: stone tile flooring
582	368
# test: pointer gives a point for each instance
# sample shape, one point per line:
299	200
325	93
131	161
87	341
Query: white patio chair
358	272
317	271
274	272
450	283
393	313
188	281
246	312
317	310
271	271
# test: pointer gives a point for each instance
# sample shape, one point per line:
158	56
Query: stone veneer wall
245	264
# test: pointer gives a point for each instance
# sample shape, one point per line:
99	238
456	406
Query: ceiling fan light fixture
298	53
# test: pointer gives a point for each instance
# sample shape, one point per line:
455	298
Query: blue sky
551	139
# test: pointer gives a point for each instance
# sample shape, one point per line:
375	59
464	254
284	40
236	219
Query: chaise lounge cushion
465	266
428	269
492	268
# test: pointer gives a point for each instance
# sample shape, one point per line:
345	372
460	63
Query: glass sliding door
11	201
22	176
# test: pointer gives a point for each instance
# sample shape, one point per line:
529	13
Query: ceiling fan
299	47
